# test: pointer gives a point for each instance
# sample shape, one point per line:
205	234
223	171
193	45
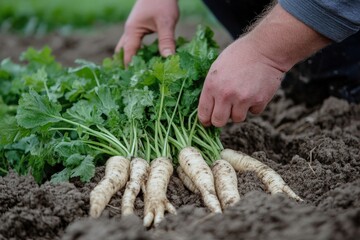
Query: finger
221	113
166	37
119	45
257	109
238	113
205	108
130	42
131	46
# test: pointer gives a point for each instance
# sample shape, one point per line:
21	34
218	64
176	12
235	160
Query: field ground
316	151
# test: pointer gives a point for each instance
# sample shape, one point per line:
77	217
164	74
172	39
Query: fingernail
167	52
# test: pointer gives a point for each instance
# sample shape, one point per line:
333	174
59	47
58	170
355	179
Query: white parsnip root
156	202
139	171
272	180
116	176
201	175
186	180
225	183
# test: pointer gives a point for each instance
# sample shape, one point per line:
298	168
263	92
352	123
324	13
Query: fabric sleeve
335	19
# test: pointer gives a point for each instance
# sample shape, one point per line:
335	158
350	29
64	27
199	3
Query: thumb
166	39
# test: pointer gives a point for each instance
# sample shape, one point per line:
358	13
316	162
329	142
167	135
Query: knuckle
208	87
217	123
166	21
238	118
259	100
218	120
203	118
167	39
129	26
257	109
228	94
202	113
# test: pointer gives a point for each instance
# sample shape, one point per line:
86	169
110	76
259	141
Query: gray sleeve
335	19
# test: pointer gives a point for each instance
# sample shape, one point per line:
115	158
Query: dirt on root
315	149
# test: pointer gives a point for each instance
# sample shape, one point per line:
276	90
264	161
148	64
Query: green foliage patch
58	123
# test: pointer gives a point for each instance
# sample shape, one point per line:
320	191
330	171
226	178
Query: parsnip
226	184
272	180
139	171
186	180
200	174
116	176
156	202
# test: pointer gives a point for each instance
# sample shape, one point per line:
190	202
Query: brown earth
316	150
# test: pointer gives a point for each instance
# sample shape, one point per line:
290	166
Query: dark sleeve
335	19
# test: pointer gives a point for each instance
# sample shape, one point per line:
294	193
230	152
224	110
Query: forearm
284	40
336	20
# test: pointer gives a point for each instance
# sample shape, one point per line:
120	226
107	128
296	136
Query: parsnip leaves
36	111
59	123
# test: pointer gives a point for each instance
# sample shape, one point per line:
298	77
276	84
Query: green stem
105	134
158	122
96	78
47	90
133	140
110	149
104	151
192	131
119	149
3	170
147	148
11	108
211	140
172	117
179	137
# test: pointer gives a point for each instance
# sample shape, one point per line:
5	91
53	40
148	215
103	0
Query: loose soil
315	149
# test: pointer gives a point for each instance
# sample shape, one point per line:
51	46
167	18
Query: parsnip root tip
225	183
116	175
199	172
271	179
156	202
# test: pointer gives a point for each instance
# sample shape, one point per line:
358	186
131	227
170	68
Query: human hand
148	17
240	80
248	72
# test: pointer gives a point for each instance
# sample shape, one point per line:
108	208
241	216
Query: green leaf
37	164
11	131
26	144
136	100
77	88
202	45
36	111
106	98
66	149
85	113
117	61
74	160
37	81
86	169
62	176
168	71
37	59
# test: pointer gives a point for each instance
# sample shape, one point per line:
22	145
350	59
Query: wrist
283	40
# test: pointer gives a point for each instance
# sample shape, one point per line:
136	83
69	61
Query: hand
240	80
247	73
149	16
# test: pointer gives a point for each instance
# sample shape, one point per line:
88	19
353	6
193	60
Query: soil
315	149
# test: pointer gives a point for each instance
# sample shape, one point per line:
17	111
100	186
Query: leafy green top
73	118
